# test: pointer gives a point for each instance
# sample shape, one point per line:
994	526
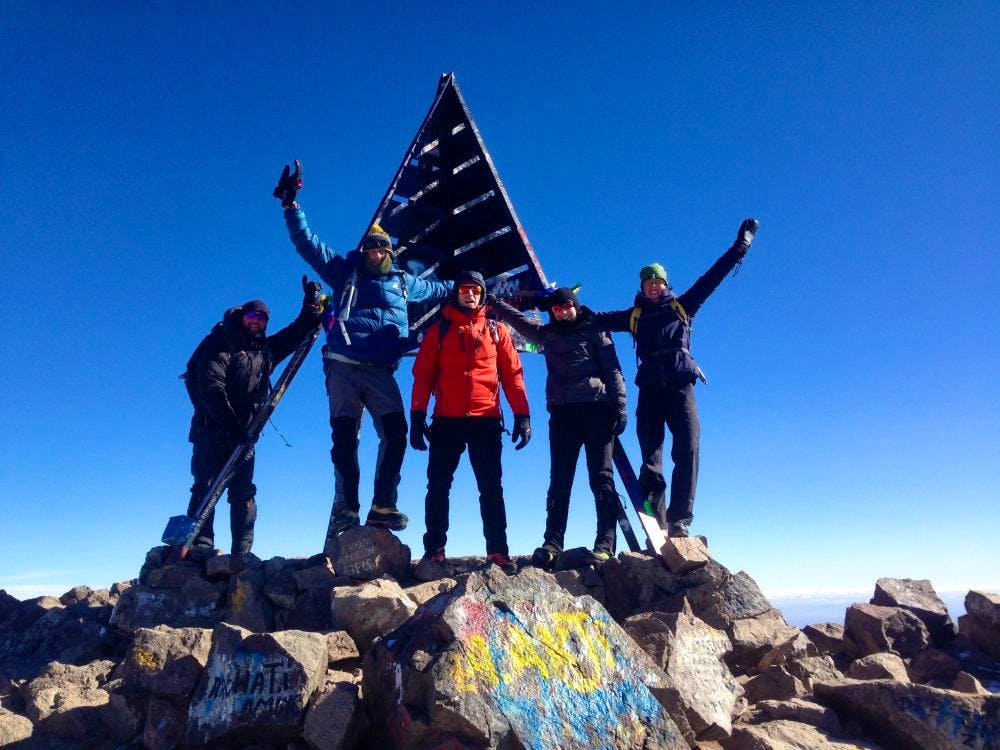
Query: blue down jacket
367	318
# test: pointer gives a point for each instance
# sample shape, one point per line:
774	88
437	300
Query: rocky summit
362	647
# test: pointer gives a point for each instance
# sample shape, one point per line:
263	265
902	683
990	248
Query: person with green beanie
660	324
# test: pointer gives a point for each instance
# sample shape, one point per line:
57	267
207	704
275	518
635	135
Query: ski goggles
255	315
470	289
562	307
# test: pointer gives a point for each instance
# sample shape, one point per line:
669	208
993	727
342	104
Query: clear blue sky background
852	425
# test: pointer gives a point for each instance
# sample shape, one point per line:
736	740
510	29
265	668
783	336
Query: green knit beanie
653	271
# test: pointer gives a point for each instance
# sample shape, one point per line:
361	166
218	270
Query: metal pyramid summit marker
447	210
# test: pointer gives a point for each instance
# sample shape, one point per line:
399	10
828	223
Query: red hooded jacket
466	369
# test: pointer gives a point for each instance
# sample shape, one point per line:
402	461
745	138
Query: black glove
289	184
312	297
746	233
419	430
522	430
619	422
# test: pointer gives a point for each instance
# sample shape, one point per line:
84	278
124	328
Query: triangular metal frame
447	209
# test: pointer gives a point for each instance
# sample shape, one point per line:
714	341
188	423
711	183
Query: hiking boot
544	557
601	556
204	541
677	530
437	556
502	561
386	517
344	519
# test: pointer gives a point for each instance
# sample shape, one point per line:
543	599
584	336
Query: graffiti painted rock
194	605
916	716
367	553
13	727
690	652
256	686
516	661
788	735
684	554
249	606
918	597
335	719
370	609
874	628
879	667
166	661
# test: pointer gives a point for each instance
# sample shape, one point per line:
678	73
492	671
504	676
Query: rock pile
366	648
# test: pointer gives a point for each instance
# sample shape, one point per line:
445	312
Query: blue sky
852	424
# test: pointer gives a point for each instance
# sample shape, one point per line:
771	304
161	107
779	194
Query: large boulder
981	624
516	661
370	609
166	661
874	628
918	597
753	637
797	709
41	631
367	553
916	717
248	605
256	687
883	666
721	603
193	605
790	735
63	687
690	652
14	727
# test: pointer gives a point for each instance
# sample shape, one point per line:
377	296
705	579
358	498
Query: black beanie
561	296
470	277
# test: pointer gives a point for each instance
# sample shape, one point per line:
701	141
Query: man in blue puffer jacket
367	331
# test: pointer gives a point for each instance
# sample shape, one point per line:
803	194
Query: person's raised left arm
709	281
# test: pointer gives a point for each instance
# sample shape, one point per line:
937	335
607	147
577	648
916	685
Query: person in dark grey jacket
585	396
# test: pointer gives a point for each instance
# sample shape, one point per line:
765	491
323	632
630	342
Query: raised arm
616	321
709	281
285	341
310	247
421	290
530	328
511	373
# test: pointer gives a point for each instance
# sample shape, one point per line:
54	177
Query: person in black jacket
585	396
660	323
228	379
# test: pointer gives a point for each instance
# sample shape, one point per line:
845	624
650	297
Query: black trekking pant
449	438
210	452
674	406
572	426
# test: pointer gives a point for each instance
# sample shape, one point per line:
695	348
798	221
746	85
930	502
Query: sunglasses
470	289
255	315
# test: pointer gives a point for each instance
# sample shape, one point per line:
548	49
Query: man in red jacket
464	360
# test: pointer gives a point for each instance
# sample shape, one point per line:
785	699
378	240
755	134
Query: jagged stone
425	591
933	665
884	666
335	719
829	639
120	586
428	570
794	645
164	727
984	606
736	598
120	718
812	669
797	709
370	609
967	683
281	590
174	576
690	652
684	554
516	661
874	628
340	648
790	735
219	567
195	605
43	631
248	606
774	683
915	716
101	598
918	597
166	661
367	553
753	637
62	687
75	594
14	727
256	686
316	577
311	612
572	581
